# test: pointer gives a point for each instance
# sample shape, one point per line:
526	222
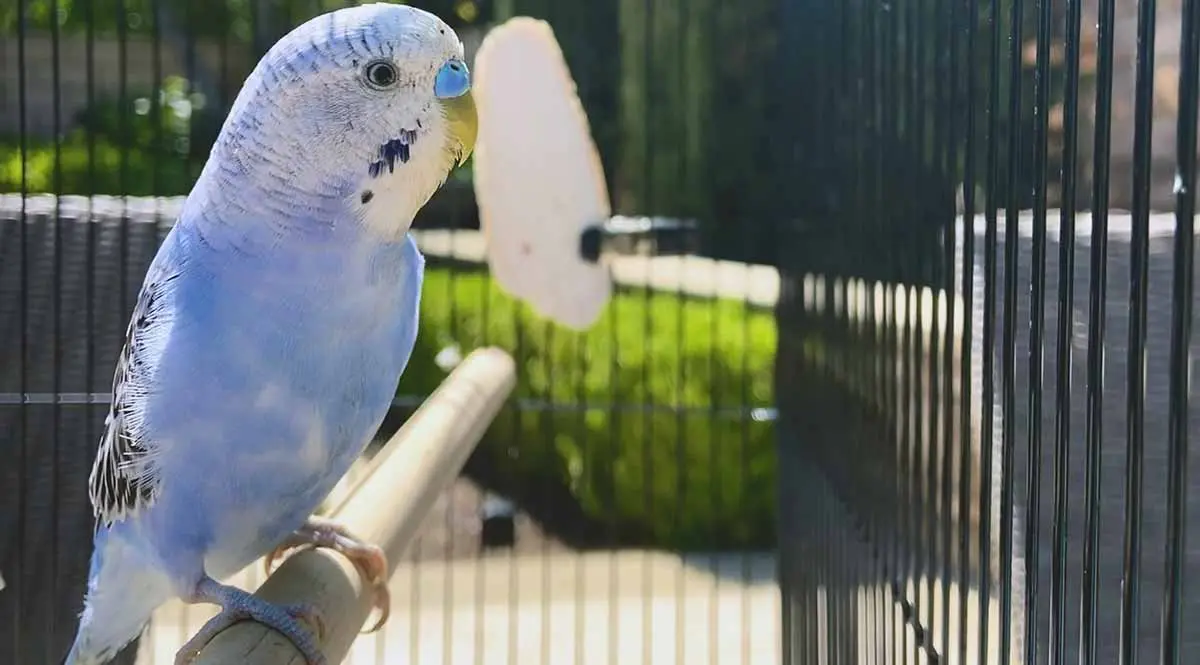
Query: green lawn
700	476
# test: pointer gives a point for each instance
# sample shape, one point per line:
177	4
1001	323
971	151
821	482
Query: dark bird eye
381	74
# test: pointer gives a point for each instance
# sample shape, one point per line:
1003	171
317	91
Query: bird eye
381	74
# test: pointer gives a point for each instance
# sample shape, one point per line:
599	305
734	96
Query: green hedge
106	169
701	477
152	143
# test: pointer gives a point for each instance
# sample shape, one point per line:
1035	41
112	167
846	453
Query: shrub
152	144
108	169
659	456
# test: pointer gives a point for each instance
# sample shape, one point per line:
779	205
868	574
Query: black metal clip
638	235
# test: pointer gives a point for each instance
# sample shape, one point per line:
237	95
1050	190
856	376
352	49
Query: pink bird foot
368	558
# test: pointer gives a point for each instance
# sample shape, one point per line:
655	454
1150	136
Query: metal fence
985	332
962	435
624	499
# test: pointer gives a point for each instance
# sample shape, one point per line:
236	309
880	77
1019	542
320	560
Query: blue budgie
273	325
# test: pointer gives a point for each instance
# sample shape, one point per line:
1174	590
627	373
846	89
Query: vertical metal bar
917	399
815	460
1181	334
869	638
223	59
711	22
909	364
714	497
744	417
907	471
790	586
614	419
581	401
965	376
546	421
944	125
948	73
91	250
1098	287
895	354
681	464
823	631
156	105
928	277
845	534
546	418
1143	120
123	180
587	478
1012	239
514	586
650	99
877	87
872	88
1063	344
1037	322
22	531
987	433
157	92
869	87
929	137
812	577
56	296
746	28
876	321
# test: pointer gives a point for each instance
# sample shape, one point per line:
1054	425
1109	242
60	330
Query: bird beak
464	123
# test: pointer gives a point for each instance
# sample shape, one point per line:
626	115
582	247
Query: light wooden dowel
386	508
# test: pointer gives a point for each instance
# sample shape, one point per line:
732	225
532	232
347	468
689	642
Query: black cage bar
988	290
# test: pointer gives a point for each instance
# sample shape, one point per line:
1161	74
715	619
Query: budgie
273	325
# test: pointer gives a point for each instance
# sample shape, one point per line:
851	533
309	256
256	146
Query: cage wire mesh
985	331
622	506
980	213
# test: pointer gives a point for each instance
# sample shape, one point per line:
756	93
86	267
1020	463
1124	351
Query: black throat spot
396	150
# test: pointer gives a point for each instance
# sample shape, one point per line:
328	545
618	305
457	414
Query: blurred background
746	475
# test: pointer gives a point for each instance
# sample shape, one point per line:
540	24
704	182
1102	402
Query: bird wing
124	478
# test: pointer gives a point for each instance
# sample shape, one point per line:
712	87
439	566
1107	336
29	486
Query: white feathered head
368	107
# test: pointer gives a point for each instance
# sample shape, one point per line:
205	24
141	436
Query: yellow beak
464	124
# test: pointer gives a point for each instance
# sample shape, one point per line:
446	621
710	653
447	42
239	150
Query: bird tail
123	592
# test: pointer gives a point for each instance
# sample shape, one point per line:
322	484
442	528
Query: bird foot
368	558
238	605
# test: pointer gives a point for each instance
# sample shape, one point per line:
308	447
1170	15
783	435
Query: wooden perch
386	508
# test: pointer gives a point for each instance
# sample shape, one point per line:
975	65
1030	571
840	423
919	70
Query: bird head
367	108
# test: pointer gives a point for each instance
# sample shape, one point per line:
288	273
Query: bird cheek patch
396	150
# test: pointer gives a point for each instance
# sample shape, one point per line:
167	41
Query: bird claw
282	618
368	558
